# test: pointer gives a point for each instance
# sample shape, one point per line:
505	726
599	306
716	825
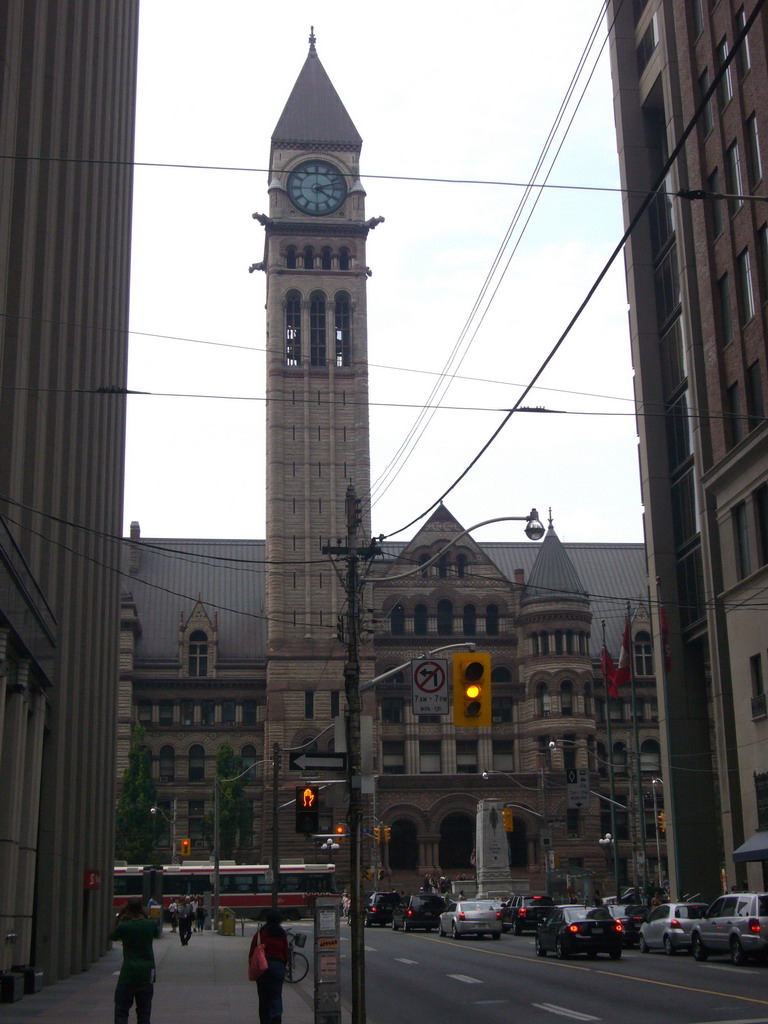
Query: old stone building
238	641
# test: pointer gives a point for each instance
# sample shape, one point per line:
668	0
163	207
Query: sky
455	105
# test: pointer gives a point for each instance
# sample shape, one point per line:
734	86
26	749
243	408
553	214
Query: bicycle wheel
296	968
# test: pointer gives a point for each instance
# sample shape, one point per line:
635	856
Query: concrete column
11	798
28	833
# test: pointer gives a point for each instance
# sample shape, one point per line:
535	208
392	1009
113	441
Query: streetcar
244	888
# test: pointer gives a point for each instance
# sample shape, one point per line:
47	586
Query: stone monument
491	850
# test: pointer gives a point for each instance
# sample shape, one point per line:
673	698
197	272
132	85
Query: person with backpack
273	937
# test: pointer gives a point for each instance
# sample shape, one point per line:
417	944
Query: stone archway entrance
457	842
403	846
517	840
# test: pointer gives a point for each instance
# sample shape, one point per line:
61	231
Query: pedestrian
137	975
273	938
173	912
200	917
185	921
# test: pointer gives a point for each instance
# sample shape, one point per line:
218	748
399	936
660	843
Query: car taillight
573	927
410	913
674	923
373	910
619	927
462	916
522	912
498	914
754	925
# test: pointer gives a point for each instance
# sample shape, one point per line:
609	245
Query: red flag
665	639
609	669
622	674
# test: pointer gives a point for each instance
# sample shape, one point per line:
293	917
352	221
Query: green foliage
137	830
235	813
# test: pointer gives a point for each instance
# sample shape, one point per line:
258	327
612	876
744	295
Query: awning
755	848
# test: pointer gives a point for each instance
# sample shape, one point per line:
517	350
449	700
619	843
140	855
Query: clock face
316	187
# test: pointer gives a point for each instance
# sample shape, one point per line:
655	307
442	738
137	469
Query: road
421	977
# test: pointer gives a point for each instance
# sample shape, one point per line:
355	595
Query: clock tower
317	398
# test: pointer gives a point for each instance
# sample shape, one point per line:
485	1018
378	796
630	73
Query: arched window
619	758
461	566
469	620
326	258
309	257
588	699
317	329
198	653
444	617
293	329
397	621
442	566
344	261
167	764
290	257
196	763
422	560
601	756
544	642
583	643
248	755
420	620
501	675
492	620
543	700
343	326
566	698
643	654
535	645
558	642
650	757
569	641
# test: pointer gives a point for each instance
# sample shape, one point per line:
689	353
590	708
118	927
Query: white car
669	927
471	917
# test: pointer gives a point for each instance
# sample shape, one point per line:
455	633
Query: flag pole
611	777
638	764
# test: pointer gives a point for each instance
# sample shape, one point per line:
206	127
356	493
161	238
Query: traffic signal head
341	832
662	821
509	820
387	833
307	809
377	834
472	688
186	847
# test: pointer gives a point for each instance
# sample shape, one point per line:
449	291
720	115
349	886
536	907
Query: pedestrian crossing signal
662	821
307	809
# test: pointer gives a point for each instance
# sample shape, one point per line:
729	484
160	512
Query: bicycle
298	965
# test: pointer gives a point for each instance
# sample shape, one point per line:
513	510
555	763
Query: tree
235	812
137	830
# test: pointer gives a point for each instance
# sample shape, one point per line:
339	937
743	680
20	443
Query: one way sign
577	784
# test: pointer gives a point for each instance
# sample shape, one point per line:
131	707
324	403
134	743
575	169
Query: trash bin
226	921
156	915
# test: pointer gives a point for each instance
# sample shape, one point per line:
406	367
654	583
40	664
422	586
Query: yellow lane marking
543	961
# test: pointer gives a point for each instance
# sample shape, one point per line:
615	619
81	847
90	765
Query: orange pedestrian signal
307	809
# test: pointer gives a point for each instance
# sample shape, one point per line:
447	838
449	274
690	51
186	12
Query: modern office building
67	105
697	275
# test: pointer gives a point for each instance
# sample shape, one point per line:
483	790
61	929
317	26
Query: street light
172	822
609	846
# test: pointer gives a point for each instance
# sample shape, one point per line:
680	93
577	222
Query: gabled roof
553	577
314	113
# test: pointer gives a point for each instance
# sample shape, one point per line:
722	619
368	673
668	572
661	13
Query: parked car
631	917
379	908
422	911
669	927
523	913
735	924
471	917
568	930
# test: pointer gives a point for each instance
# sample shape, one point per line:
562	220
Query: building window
706	117
756	674
746	56
760	500
501	709
290	257
745	286
572	822
309	703
344	260
248	756
444	618
317	329
429	757
566	698
334	703
569	751
461	566
647	45
735	186
667	283
198	653
650	760
734	420
397	621
492	620
144	710
196	763
343	327
293	329
544	642
753	149
726	84
741	539
503	755
469	620
724	310
165	712
195	812
762	239
715	203
588	700
392	710
393	757
326	258
466	757
207	712
754	382
420	620
543	700
619	759
187	712
167	764
643	654
228	712
442	567
249	712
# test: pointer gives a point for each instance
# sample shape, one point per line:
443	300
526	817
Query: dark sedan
631	916
570	930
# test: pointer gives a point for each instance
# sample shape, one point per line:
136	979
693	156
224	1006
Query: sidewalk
204	981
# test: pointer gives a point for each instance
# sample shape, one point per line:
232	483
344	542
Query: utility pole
351	626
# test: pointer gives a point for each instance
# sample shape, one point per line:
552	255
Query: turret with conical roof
553	577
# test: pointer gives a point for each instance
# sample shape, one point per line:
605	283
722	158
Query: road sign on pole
301	762
430	686
577	785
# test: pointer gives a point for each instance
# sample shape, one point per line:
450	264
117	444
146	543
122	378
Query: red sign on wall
92	879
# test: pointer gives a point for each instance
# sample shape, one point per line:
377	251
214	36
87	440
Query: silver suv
735	924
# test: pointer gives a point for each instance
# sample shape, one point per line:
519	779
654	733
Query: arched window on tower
198	653
469	620
420	620
444	617
543	701
293	329
492	620
442	567
566	698
343	327
643	654
290	257
309	257
588	699
317	329
397	621
461	566
344	260
422	560
326	258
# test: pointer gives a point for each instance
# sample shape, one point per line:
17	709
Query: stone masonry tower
317	397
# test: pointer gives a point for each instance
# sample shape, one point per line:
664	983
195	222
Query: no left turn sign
430	686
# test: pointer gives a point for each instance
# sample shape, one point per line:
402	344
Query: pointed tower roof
553	577
314	113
